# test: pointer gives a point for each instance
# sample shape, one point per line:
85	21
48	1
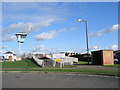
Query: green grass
83	62
71	66
90	71
26	64
115	65
19	64
0	64
29	64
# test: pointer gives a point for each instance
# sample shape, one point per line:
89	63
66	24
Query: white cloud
90	49
105	31
70	51
68	29
23	27
51	34
26	27
46	36
1	51
32	11
41	47
114	47
44	15
9	38
95	47
19	6
4	47
63	30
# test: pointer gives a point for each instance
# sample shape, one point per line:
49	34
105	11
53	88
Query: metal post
86	38
87	41
19	49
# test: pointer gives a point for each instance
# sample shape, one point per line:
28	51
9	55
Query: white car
115	61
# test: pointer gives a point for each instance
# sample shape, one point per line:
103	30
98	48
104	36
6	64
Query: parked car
116	61
3	59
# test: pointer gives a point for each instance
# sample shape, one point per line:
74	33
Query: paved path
57	80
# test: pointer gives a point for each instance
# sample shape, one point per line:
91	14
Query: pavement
79	66
57	80
42	79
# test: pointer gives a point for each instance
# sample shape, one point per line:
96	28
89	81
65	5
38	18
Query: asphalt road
56	80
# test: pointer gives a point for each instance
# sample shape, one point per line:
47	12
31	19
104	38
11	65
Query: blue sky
55	27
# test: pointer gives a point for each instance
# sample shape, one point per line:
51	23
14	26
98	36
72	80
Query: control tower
20	38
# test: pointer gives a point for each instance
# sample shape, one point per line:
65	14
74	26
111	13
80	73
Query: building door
10	58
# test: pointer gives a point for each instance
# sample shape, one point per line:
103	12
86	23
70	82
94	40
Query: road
57	80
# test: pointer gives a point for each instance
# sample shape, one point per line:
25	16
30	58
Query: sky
53	26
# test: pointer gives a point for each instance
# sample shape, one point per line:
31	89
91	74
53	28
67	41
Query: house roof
8	52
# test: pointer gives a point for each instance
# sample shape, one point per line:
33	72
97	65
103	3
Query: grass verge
29	65
25	64
115	65
19	64
90	71
83	62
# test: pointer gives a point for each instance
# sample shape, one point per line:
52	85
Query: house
10	56
1	58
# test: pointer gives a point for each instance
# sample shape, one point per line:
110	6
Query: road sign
58	60
58	55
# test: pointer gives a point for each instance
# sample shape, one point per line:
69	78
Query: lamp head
79	20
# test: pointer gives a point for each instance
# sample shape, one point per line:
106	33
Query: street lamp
79	20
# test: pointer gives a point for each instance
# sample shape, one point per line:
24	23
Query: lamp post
79	20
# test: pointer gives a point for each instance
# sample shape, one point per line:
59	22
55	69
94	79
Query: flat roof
101	50
21	33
